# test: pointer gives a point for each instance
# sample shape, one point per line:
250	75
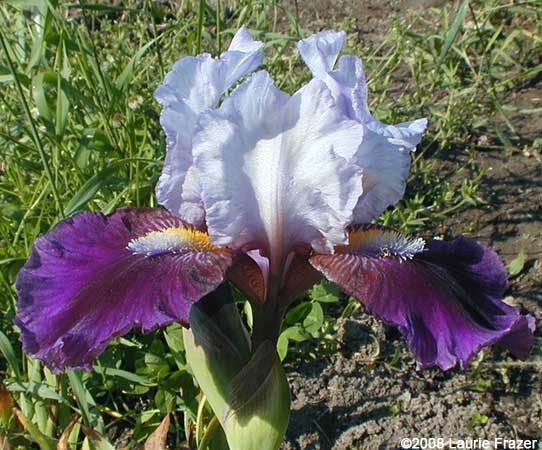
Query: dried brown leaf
4	444
158	439
99	441
6	404
63	443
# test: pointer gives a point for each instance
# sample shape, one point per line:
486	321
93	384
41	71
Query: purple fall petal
82	286
444	299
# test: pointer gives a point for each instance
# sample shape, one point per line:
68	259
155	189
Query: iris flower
271	192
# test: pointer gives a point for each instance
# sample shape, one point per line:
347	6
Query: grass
80	130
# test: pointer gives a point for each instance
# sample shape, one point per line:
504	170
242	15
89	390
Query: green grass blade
33	127
24	3
454	30
88	191
62	100
128	73
129	376
38	93
37	390
44	442
201	15
80	393
7	350
96	7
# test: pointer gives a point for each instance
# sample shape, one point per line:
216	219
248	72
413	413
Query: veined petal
199	81
384	153
95	277
243	56
385	157
321	50
274	169
249	275
446	299
195	84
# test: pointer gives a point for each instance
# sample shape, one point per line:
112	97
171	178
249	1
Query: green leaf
297	313
8	352
26	2
296	333
37	390
454	30
248	393
516	265
44	442
124	374
174	337
214	437
283	344
100	141
325	292
128	73
62	109
5	75
478	419
80	393
88	190
62	100
315	319
156	365
38	92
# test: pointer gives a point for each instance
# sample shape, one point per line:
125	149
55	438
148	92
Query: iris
271	192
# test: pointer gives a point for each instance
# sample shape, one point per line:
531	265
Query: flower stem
199	418
267	318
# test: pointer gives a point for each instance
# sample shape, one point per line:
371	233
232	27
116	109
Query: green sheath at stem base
247	390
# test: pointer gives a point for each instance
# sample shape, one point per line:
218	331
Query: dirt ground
369	397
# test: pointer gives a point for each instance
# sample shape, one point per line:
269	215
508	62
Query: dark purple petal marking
82	286
444	299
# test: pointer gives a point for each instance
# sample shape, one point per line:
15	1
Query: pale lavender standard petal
274	169
82	286
446	299
385	150
195	84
